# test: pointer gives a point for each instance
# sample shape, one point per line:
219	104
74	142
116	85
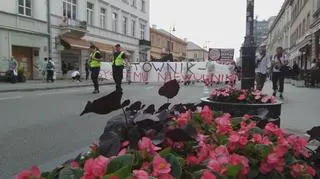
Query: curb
49	88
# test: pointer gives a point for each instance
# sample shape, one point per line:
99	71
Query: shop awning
76	43
104	47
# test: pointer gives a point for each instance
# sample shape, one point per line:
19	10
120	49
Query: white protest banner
165	71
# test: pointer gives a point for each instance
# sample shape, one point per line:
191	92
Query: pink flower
74	164
160	166
122	152
216	166
223	124
256	138
222	150
246	117
234	138
165	176
299	145
311	171
207	115
273	99
140	174
265	99
34	172
272	158
296	170
257	97
243	140
95	167
242	97
146	144
145	166
236	159
183	119
125	143
266	141
265	168
208	175
192	160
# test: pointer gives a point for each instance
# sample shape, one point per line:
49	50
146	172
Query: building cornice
174	38
282	10
22	16
24	31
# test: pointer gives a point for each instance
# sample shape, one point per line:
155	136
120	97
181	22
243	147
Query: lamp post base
248	66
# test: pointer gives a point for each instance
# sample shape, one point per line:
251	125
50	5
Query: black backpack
50	65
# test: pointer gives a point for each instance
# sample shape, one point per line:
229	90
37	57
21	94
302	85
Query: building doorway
24	57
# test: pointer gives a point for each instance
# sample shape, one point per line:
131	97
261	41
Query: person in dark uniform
95	63
118	65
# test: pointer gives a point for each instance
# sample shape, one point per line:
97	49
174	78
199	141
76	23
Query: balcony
73	28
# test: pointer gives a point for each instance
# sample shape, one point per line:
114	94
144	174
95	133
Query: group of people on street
94	64
276	66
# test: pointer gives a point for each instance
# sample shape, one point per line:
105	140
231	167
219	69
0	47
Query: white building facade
24	34
279	33
196	53
76	24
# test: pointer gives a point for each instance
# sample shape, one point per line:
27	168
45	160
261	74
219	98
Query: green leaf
165	152
223	140
197	175
235	122
176	169
194	168
122	173
119	163
70	173
253	173
263	150
233	170
256	130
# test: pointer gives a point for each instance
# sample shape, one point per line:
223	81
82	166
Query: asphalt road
45	129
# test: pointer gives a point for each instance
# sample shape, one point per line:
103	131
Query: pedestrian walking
44	69
13	70
87	68
95	63
278	62
50	70
117	66
210	71
64	68
261	68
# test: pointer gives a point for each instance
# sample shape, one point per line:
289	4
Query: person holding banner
118	66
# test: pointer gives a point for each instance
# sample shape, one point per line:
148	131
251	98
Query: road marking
60	92
8	98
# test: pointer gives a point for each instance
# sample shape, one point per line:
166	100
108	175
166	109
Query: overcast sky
220	21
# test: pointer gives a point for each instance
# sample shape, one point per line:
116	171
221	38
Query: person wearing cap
117	66
95	63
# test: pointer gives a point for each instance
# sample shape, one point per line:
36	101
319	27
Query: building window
195	55
70	9
124	25
134	3
25	7
115	22
103	18
143	5
90	13
142	31
133	28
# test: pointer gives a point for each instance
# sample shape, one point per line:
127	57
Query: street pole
248	50
49	29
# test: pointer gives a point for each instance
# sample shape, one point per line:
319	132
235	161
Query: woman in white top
277	62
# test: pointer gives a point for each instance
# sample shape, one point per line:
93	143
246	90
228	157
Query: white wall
39	8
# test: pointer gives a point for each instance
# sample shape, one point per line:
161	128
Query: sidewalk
37	85
300	109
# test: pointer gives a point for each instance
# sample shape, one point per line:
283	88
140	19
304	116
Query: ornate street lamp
248	50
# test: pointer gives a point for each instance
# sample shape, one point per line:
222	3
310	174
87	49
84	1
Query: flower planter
240	109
